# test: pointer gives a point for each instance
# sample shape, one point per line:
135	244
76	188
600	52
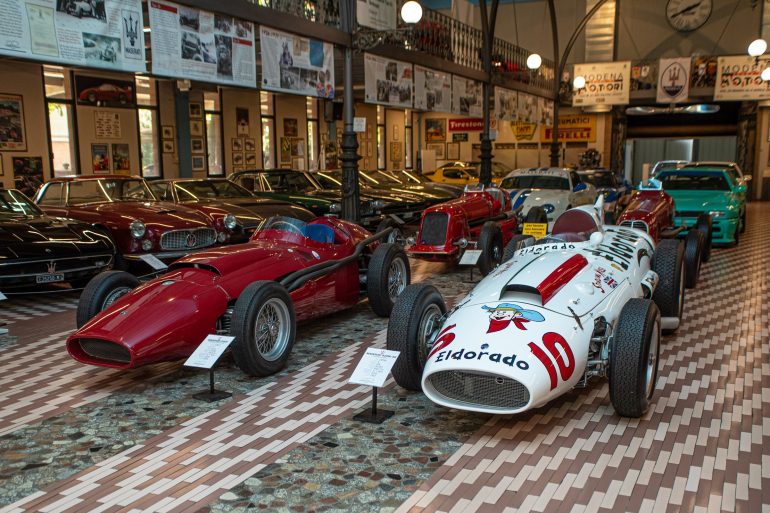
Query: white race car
587	301
554	189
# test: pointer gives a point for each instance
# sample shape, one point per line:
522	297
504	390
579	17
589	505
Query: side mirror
580	187
741	188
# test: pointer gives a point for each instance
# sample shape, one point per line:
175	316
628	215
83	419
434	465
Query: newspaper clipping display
432	90
376	14
466	96
296	65
506	104
387	81
738	78
673	80
96	33
607	83
199	45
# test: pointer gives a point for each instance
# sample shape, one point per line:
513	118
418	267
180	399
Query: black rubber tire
737	237
536	214
394	237
704	225
515	244
378	286
243	327
743	222
637	327
693	246
101	292
668	262
491	246
404	332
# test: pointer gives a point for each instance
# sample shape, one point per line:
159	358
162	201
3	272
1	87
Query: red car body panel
167	318
654	208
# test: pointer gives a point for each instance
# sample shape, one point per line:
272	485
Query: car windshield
108	190
413	176
330	179
705	181
378	178
536	182
14	203
209	189
292	182
599	179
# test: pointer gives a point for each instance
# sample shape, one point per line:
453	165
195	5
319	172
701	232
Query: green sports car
709	190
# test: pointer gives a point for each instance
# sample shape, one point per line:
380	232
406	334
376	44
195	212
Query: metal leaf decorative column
350	191
488	34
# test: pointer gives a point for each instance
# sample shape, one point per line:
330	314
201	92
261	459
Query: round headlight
335	208
137	229
230	222
548	208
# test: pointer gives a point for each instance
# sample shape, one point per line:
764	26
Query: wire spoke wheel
397	280
426	334
271	333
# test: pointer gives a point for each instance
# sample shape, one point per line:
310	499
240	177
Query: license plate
537	230
49	278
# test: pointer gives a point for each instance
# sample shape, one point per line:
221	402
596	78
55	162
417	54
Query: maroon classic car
107	93
136	220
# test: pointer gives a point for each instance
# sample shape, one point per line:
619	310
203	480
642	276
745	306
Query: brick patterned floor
703	446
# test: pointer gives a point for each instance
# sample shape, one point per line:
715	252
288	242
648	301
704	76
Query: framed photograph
242	120
196	110
198	163
196	143
250	144
297	147
169	146
237	159
251	159
121	158
28	174
196	128
395	152
453	151
236	144
167	132
290	128
439	148
435	130
100	158
104	92
298	163
14	138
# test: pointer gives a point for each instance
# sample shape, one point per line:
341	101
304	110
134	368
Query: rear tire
634	353
491	246
103	290
515	244
394	237
387	277
413	325
693	247
668	263
704	225
536	215
264	326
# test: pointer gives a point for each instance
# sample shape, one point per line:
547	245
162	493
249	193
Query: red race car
289	271
107	93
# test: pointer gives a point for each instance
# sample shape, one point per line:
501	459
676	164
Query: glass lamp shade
579	82
534	61
757	47
411	12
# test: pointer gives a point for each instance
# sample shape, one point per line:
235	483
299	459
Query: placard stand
206	356
373	416
212	395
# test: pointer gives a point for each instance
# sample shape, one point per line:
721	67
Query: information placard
374	367
2	296
537	230
470	257
153	261
209	351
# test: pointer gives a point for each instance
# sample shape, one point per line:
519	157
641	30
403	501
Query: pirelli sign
572	128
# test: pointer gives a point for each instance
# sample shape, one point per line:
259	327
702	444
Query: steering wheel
291	228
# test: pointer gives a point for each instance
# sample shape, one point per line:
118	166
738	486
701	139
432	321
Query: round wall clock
688	15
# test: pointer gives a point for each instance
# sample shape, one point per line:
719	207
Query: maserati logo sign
132	40
191	240
673	80
51	267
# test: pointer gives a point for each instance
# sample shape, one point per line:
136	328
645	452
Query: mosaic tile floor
79	438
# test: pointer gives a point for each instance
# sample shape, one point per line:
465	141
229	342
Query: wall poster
96	33
199	45
107	124
432	90
528	108
674	80
28	174
607	83
466	96
297	65
738	78
376	14
506	104
12	134
387	81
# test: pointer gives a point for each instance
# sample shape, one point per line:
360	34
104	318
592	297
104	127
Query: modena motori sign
738	78
607	83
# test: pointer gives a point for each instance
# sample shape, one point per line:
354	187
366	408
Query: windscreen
599	179
209	189
14	203
108	190
536	182
704	181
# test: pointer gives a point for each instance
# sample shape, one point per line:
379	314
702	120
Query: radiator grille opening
433	229
639	225
480	389
104	350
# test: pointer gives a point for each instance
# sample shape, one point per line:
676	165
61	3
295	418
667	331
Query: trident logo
132	29
673	75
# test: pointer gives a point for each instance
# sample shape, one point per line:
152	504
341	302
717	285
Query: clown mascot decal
502	315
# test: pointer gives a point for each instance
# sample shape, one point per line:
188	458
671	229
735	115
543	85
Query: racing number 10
566	368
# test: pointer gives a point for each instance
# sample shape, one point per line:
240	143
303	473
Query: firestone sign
607	83
738	78
466	125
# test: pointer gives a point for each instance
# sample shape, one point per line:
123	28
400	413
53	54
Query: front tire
415	319
103	290
668	263
264	326
634	352
705	225
491	246
693	247
387	277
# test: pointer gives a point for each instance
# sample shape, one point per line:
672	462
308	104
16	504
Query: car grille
479	389
639	225
188	239
433	229
73	265
104	350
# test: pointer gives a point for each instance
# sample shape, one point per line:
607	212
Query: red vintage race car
482	218
289	271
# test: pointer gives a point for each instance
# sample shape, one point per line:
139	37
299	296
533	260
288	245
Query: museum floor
86	439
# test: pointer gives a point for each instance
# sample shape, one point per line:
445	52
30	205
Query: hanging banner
572	128
296	65
199	45
738	78
673	80
387	81
545	111
607	83
466	96
506	104
97	33
432	90
376	14
528	109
